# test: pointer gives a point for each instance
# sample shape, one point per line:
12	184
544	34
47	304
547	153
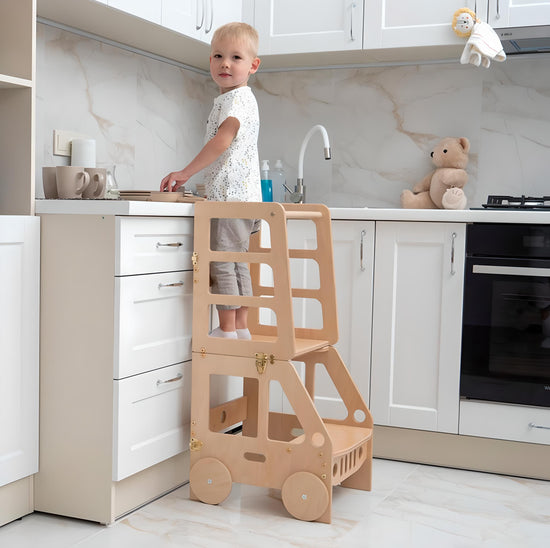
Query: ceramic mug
72	181
49	182
96	188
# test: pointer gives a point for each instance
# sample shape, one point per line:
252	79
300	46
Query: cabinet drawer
153	319
505	422
150	244
152	415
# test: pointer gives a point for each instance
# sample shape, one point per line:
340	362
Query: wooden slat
303	214
228	414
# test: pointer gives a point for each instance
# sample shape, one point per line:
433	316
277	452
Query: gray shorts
231	278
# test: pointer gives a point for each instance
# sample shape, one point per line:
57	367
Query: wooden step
346	438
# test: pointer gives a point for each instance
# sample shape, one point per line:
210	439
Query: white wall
148	118
383	122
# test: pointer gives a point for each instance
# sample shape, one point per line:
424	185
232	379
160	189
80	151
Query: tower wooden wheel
210	480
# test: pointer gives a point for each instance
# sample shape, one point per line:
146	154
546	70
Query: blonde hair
238	31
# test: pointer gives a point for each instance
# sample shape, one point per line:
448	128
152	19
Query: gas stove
516	202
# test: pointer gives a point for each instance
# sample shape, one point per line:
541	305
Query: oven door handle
510	270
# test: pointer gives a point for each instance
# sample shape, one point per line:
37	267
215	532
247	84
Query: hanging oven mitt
482	46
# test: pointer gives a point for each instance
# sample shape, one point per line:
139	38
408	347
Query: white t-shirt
235	175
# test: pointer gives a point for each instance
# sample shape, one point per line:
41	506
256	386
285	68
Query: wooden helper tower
293	449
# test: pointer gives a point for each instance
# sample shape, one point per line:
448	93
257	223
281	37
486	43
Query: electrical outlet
62	141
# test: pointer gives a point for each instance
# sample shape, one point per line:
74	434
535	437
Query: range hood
518	40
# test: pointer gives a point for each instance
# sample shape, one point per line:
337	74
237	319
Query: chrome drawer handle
170	244
453	238
173	284
363	234
351	36
178	377
198	24
533	425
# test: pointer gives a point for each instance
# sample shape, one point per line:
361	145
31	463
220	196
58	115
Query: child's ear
255	65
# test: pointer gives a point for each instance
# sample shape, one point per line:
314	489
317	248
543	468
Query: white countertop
164	209
442	215
114	207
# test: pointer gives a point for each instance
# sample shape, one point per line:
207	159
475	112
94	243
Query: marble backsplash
148	118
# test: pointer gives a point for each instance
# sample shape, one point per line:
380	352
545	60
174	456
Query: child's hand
173	181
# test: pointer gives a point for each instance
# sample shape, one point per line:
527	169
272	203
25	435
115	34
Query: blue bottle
267	185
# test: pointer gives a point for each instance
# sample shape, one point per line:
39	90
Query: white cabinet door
199	18
503	421
353	247
184	16
220	12
151	418
153	319
287	26
401	23
518	13
417	319
353	244
19	305
152	244
149	10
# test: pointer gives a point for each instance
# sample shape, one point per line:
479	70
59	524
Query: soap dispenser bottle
267	185
278	181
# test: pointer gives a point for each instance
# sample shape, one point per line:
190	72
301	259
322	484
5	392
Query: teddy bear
442	188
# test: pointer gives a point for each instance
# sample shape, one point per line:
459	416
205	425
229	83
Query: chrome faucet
299	194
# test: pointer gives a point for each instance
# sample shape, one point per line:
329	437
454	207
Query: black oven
506	315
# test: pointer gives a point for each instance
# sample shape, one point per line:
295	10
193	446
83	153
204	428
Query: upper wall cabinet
219	12
518	13
199	18
287	26
185	16
292	34
149	10
194	18
401	23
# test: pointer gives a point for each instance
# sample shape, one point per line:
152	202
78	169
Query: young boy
230	161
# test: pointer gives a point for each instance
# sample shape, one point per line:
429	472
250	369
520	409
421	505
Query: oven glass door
506	331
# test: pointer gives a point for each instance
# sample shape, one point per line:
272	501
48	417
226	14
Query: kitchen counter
161	209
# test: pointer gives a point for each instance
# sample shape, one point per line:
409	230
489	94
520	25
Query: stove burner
513	202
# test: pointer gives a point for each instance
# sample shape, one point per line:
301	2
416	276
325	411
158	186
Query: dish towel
482	46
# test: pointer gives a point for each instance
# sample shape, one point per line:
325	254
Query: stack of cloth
483	46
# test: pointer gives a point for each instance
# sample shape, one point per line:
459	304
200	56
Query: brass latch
195	444
261	361
195	261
